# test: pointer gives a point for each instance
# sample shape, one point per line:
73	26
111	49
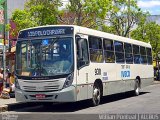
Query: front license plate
40	96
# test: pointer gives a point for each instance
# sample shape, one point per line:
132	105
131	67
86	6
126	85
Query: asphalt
9	104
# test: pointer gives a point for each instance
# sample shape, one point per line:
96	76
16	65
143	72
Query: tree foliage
22	19
122	17
36	13
148	32
88	13
43	11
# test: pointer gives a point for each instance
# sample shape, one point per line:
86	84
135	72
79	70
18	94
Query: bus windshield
44	57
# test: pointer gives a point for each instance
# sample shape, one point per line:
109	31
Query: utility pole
4	49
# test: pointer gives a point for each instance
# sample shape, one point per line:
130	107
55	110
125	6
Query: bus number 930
97	71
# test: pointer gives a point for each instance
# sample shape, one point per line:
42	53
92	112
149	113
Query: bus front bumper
65	95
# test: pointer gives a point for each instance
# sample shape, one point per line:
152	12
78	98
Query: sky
153	6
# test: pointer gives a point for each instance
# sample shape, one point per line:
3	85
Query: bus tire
137	87
96	95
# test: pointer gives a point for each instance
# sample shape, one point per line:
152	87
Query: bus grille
41	89
41	86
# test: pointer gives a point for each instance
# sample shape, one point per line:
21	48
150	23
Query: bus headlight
68	81
17	84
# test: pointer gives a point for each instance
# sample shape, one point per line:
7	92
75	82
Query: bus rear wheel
96	96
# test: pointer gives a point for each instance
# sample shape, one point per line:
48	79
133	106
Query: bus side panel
145	72
149	76
129	84
87	75
82	83
112	78
108	77
129	73
123	72
113	87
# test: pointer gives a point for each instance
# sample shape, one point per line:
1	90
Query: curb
156	82
4	108
9	107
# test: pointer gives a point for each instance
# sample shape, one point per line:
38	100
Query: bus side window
108	51
136	54
149	56
95	47
143	55
82	52
128	53
119	51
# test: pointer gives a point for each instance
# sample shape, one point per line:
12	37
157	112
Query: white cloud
148	3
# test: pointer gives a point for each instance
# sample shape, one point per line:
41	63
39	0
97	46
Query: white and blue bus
67	63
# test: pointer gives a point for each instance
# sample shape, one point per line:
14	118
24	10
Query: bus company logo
125	74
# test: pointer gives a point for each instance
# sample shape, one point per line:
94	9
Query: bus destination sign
45	31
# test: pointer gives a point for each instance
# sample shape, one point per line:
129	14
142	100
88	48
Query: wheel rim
137	90
96	95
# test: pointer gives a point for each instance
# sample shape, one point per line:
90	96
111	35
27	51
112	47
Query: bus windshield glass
44	57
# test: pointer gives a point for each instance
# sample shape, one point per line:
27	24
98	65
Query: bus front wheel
96	96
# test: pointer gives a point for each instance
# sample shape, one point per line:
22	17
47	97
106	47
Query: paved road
147	102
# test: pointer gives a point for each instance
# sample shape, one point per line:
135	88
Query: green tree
122	17
22	19
148	32
36	13
44	11
88	13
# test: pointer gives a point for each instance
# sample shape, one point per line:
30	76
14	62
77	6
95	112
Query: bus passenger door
82	68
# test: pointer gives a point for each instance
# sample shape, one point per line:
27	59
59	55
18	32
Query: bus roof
88	31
